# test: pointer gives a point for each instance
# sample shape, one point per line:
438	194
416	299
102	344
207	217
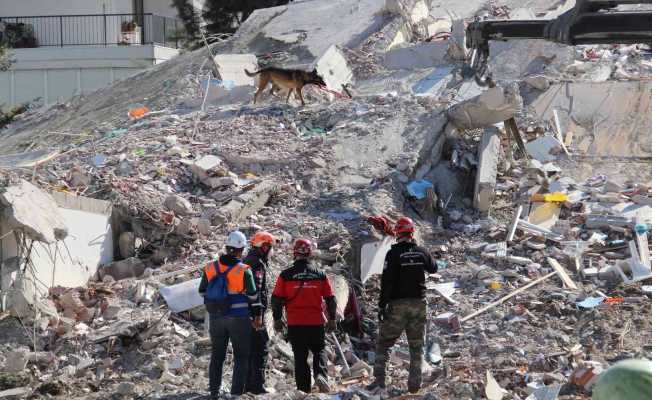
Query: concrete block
231	68
538	82
34	212
127	244
544	149
490	107
130	268
202	167
419	56
485	180
316	25
178	205
457	43
414	10
249	202
438	26
332	66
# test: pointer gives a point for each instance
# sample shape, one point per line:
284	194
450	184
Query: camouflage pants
404	315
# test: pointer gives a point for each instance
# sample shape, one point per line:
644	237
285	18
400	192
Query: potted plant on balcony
130	33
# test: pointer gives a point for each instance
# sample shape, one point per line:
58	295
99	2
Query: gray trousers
238	331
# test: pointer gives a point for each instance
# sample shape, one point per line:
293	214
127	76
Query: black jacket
404	275
258	263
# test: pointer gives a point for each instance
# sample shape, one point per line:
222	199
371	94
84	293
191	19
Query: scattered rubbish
591	302
138	113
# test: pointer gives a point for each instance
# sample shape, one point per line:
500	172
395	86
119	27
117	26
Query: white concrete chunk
204	165
485	180
33	211
231	68
422	55
332	66
544	149
491	107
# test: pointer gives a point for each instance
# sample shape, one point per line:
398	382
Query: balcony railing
91	30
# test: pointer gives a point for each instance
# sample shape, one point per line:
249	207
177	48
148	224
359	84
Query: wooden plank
509	296
568	282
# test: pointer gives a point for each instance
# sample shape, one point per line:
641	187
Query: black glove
382	313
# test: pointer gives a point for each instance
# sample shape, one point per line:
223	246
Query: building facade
65	48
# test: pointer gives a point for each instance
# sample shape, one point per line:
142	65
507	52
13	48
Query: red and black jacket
303	290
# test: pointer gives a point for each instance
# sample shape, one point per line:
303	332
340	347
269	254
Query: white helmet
237	240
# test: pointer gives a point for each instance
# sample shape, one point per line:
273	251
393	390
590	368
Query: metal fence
91	30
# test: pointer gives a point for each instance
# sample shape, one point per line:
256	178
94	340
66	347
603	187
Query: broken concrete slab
333	68
418	56
623	109
538	82
348	24
414	11
485	180
231	68
491	107
372	257
183	296
34	212
249	202
205	165
544	149
130	268
178	205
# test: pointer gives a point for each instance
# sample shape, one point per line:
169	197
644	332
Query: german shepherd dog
290	79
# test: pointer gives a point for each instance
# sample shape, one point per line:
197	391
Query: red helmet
302	247
404	226
261	238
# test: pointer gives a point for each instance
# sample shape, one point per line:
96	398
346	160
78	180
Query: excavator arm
589	22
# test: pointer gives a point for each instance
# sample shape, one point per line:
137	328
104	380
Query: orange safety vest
234	279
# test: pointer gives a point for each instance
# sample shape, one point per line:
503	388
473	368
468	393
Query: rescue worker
257	258
402	305
302	290
229	292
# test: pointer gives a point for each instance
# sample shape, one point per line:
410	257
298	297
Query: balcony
91	30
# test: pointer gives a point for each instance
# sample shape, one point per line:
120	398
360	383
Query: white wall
70	264
55	74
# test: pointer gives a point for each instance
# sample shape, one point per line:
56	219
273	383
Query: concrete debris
33	212
419	56
231	68
334	69
178	205
491	107
485	181
129	268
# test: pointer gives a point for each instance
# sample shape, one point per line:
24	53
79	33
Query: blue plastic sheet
418	188
590	302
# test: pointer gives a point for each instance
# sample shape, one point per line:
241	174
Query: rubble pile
538	224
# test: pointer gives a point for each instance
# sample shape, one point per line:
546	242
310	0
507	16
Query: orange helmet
302	247
404	226
261	238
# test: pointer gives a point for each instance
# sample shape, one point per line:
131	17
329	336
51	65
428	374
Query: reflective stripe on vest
234	279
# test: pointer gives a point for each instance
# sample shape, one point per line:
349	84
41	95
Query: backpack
217	291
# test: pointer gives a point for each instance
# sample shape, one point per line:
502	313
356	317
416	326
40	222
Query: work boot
375	385
322	384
